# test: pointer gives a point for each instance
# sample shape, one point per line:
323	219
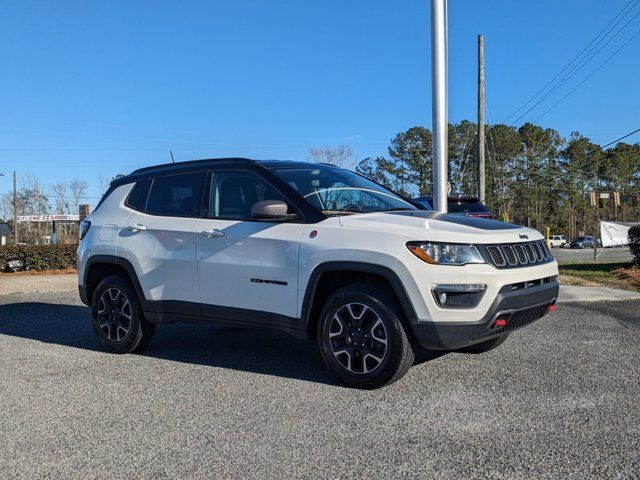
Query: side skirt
163	312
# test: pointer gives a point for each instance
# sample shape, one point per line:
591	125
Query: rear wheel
117	317
361	337
485	346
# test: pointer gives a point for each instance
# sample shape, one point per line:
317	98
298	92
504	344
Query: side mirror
272	211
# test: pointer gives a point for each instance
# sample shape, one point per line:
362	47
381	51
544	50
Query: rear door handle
136	228
212	233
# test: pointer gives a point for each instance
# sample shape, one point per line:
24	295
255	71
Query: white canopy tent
614	233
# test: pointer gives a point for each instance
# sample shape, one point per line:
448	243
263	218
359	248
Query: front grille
510	254
496	256
524	317
514	255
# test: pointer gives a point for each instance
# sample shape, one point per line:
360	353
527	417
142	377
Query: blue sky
92	88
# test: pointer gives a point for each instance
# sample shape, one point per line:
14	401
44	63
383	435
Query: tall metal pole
480	149
15	210
439	103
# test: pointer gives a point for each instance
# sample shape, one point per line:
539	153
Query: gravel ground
558	400
27	283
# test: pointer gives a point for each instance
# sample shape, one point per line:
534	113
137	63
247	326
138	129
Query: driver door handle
212	233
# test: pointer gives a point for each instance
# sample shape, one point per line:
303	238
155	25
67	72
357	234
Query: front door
246	268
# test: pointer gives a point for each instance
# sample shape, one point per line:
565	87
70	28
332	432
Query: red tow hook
500	322
551	308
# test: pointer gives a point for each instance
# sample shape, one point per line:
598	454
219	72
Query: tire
361	337
485	346
117	317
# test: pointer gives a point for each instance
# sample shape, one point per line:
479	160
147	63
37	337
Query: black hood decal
474	222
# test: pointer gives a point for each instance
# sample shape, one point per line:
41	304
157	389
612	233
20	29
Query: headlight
445	253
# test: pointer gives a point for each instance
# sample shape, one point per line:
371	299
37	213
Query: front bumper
519	307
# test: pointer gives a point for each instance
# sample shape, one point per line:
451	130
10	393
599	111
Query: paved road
621	254
558	400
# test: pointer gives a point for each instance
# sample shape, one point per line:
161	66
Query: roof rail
190	162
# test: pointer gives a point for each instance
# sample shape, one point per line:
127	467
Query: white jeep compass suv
310	249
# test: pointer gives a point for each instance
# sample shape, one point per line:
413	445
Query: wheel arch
99	266
330	276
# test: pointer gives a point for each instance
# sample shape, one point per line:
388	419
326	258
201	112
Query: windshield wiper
344	211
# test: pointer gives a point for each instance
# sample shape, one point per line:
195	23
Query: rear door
245	266
158	238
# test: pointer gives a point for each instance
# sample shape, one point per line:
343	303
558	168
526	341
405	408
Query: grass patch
620	275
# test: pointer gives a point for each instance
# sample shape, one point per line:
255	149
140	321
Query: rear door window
177	195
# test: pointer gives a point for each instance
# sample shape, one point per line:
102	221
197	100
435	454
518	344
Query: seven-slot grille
514	255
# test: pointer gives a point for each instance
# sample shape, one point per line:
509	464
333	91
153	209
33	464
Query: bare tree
103	184
31	197
6	206
32	201
78	189
339	156
59	194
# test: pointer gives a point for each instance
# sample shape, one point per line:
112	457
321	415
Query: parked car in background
557	241
469	206
583	242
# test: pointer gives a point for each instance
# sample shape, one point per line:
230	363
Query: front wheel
361	337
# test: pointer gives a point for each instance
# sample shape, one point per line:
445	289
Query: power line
595	150
596	40
53	197
575	70
203	147
588	76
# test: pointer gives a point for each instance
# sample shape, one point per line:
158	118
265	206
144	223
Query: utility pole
439	103
15	210
480	149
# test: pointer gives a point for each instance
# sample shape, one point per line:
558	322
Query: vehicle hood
433	226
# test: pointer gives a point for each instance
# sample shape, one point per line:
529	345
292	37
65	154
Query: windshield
336	191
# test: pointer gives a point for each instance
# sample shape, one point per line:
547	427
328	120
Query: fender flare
361	267
112	260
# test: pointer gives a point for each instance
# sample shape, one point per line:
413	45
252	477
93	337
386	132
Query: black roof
190	164
206	163
5	231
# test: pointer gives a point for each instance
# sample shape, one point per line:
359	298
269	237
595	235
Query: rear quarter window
137	198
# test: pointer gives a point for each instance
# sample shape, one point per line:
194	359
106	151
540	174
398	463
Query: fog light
465	295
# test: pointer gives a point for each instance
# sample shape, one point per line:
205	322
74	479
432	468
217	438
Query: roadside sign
48	218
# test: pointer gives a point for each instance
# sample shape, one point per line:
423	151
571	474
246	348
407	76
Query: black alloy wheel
114	314
362	337
358	338
118	319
